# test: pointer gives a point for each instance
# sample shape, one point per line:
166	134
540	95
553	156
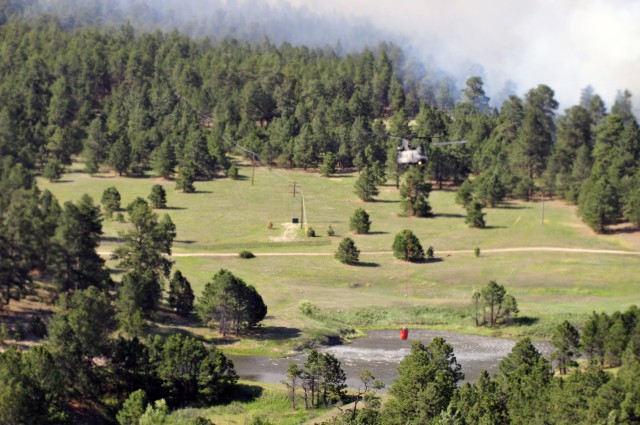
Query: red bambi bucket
404	334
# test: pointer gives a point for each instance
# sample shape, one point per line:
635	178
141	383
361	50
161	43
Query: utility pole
253	168
302	210
410	212
293	213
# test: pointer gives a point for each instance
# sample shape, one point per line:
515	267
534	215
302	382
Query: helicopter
417	155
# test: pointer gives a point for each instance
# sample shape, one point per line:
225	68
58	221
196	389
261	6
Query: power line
255	158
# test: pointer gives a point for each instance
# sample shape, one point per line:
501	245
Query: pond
381	351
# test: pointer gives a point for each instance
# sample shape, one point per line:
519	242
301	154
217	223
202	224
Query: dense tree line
82	359
525	390
167	103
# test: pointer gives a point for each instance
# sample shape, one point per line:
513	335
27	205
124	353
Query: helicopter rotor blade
457	142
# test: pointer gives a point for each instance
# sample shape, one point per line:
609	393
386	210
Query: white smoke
566	44
513	45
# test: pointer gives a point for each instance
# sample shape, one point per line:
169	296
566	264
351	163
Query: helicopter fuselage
408	156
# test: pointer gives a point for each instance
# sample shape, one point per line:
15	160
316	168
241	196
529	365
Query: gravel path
466	251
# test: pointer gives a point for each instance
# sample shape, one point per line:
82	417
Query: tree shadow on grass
494	227
239	177
510	206
199	192
426	261
525	321
433	260
274	333
622	230
173	208
378	233
64	181
243	393
446	215
385	201
366	264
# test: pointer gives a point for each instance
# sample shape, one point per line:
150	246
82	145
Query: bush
476	251
269	224
430	253
307	308
246	254
310	232
233	172
330	231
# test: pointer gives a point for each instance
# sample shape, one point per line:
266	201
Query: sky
565	44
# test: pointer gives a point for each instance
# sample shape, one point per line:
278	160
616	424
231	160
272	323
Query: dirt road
445	252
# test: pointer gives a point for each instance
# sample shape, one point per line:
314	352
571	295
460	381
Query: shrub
310	232
430	253
269	224
246	254
330	231
476	251
307	308
233	172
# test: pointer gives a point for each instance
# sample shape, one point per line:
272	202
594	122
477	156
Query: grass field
227	216
258	400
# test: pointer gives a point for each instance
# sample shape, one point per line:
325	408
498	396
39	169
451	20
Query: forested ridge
165	104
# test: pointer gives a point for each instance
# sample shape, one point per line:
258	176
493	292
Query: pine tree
110	201
120	156
163	159
406	246
186	177
347	252
414	194
359	222
475	216
180	294
365	186
566	341
427	380
158	197
598	203
53	170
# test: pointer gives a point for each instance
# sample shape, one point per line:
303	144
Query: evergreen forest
175	106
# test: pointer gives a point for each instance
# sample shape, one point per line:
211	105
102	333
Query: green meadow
226	216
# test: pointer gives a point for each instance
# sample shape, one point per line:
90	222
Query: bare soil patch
288	233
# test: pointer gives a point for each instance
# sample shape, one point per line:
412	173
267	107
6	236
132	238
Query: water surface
381	351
